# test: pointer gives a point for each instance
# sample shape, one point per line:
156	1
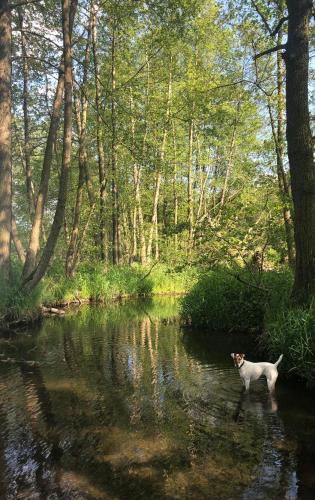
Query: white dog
252	371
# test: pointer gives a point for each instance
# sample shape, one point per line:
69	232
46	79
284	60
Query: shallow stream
121	403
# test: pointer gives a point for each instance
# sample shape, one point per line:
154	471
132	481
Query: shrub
238	301
292	332
221	303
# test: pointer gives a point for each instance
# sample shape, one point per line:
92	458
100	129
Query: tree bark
300	147
190	199
27	145
138	214
67	14
158	178
116	230
174	183
17	242
5	139
37	226
81	106
99	140
34	240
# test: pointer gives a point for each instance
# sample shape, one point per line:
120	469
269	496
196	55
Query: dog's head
238	359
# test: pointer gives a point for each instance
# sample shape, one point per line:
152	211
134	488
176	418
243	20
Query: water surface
121	403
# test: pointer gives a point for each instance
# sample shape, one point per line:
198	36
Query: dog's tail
279	360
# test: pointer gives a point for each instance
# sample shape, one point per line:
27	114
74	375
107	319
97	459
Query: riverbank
257	303
91	284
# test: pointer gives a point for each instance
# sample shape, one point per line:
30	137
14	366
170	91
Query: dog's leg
271	382
246	384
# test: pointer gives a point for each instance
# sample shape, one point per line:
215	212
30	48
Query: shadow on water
120	403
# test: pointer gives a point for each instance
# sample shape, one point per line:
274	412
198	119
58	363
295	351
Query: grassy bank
92	283
243	301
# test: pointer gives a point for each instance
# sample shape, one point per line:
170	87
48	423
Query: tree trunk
158	178
230	159
27	145
99	140
136	182
34	240
300	147
37	226
190	200
115	194
280	150
81	106
5	140
38	273
174	182
17	242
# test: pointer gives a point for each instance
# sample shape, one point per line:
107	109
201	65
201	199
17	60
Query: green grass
292	332
92	283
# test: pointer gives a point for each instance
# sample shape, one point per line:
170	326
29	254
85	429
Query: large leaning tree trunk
5	139
34	239
300	147
68	9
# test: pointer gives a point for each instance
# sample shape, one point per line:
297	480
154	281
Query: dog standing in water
252	371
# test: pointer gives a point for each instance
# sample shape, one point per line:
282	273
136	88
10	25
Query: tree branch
282	46
264	20
278	27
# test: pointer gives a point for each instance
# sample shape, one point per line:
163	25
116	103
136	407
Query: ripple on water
121	404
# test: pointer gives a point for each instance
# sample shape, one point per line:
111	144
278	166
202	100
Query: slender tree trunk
34	240
27	145
158	178
99	139
136	182
81	106
230	161
203	178
5	140
115	194
40	270
190	200
174	182
74	237
17	242
300	147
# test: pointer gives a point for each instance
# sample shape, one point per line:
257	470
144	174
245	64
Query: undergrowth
92	282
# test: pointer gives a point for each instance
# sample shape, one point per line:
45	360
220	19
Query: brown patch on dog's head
238	358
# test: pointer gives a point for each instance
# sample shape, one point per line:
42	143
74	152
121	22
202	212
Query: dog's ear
232	355
243	355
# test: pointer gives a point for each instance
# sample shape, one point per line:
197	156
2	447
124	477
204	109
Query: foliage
292	332
93	283
235	300
219	302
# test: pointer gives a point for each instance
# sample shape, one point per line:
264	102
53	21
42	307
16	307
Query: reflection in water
117	404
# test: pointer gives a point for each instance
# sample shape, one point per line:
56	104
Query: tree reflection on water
116	405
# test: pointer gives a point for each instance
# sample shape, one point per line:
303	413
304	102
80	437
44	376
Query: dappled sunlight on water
120	403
